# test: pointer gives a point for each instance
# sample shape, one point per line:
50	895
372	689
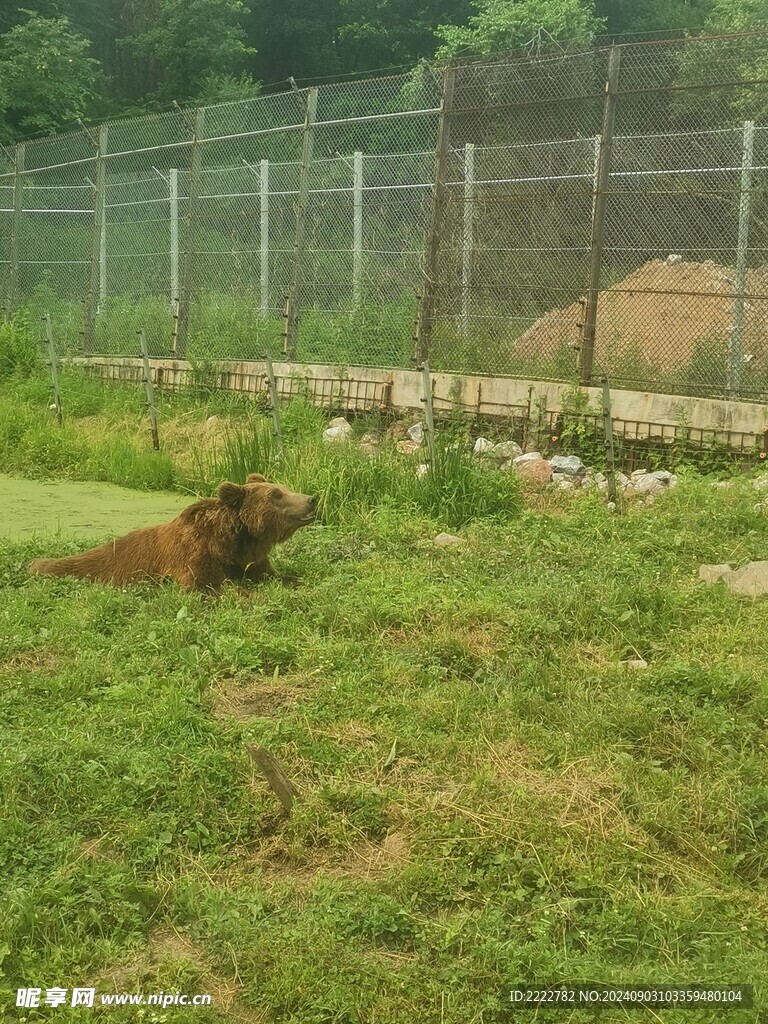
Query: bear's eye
277	495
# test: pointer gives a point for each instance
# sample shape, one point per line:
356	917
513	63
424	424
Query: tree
187	41
506	25
374	33
47	77
627	19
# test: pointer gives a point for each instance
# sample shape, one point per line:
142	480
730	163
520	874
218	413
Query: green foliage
196	42
486	792
20	351
500	26
47	78
352	485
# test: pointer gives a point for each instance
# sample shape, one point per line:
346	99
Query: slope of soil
665	311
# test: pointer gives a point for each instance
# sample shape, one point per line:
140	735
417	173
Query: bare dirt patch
30	659
578	797
168	944
256	698
662	311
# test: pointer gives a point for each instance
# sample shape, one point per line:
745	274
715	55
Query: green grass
487	795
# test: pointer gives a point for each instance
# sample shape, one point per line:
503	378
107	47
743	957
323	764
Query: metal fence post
467	240
264	235
13	267
274	404
424	320
598	218
173	201
190	224
357	232
54	365
151	408
99	212
293	303
429	411
610	454
736	338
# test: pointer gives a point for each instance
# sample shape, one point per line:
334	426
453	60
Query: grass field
487	795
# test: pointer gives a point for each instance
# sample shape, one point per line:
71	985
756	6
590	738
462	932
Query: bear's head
268	510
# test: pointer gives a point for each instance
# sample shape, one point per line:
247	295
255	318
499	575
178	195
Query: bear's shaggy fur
216	539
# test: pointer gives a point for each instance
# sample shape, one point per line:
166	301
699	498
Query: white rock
482	445
416	433
447	540
422	470
673	258
507	450
638	473
338	430
528	457
648	484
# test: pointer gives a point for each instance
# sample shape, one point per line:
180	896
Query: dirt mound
664	312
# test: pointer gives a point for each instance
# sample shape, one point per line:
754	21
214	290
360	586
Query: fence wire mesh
592	213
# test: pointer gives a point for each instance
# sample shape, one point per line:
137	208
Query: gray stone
528	457
568	464
507	450
370	443
638	473
569	481
712	573
447	540
338	430
635	663
648	484
482	445
416	433
749	581
673	258
622	480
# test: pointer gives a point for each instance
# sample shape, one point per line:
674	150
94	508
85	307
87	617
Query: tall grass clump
352	485
20	350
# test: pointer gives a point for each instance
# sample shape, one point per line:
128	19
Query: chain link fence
555	217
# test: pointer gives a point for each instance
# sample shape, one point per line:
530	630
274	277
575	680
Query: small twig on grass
279	783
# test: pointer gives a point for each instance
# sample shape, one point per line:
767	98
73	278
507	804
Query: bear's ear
255	478
231	494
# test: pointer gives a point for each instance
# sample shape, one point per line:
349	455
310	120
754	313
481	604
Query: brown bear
216	539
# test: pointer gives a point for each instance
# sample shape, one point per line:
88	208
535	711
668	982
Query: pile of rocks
569	473
566	472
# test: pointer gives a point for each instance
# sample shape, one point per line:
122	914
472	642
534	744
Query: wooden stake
278	781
